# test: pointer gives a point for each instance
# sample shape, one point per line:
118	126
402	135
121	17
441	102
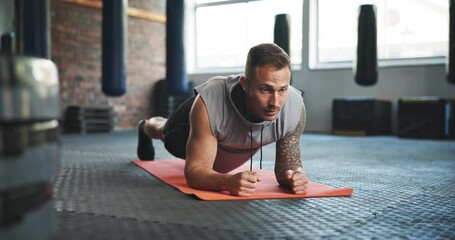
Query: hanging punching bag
451	54
114	47
176	77
282	32
32	28
7	43
366	70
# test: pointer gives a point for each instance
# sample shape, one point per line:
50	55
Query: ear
244	83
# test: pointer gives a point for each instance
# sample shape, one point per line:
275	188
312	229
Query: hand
297	181
243	183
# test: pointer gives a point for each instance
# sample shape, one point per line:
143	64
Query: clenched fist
296	180
243	183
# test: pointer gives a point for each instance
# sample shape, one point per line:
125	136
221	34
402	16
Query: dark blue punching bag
33	28
114	47
176	77
451	55
366	68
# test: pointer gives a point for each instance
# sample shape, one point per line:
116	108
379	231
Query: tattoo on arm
288	150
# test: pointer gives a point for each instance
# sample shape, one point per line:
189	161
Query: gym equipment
282	32
366	63
80	119
451	53
33	28
7	43
29	146
426	117
361	116
163	104
171	171
114	47
176	76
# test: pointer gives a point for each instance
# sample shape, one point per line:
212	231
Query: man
229	120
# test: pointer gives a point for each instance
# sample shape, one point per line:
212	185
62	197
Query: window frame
191	38
314	64
309	51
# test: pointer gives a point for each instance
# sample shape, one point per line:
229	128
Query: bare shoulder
198	106
198	113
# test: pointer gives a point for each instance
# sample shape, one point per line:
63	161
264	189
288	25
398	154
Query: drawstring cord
251	148
260	159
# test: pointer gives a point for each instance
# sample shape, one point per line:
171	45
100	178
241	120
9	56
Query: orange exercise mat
170	171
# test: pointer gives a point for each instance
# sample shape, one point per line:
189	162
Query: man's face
267	92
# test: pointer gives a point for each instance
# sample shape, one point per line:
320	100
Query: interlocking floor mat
171	172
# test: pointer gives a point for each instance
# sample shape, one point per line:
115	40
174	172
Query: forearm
206	179
280	169
288	158
288	153
240	184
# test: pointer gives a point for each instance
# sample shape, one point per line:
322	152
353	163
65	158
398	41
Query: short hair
266	54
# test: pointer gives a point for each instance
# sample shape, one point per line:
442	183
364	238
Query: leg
154	127
145	149
173	132
177	128
147	130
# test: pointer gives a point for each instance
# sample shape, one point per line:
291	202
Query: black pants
177	129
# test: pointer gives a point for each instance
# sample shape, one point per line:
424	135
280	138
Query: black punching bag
7	43
176	77
451	55
282	32
114	47
366	68
33	28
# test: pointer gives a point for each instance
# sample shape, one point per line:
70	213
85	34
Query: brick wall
76	50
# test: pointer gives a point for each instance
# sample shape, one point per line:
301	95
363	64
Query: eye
265	90
283	90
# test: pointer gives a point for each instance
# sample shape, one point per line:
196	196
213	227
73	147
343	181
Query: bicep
202	144
288	149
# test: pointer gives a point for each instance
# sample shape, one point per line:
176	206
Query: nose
274	99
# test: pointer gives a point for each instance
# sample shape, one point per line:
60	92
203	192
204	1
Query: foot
145	149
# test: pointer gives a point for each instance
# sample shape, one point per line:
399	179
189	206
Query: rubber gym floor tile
403	189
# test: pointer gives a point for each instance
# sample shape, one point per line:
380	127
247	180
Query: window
226	30
407	29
